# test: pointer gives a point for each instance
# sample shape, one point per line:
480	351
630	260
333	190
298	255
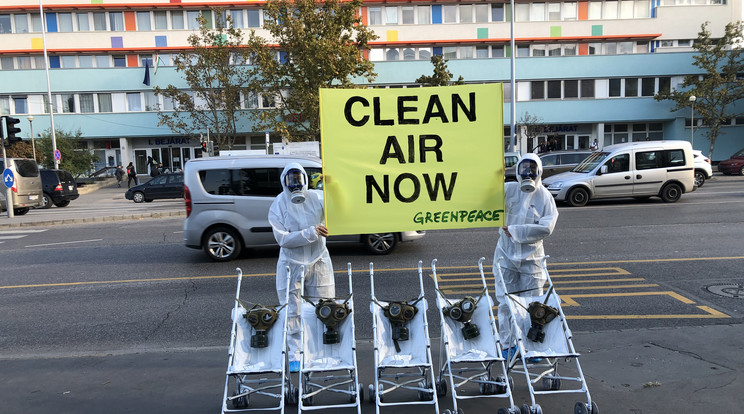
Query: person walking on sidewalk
131	175
119	174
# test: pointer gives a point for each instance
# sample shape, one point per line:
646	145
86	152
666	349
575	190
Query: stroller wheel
500	389
441	387
308	400
486	388
293	395
424	395
240	402
371	393
551	383
583	408
360	389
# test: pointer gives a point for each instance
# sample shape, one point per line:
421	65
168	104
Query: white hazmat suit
529	218
294	226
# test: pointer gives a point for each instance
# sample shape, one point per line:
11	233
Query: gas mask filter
261	318
541	314
295	182
399	314
332	314
462	311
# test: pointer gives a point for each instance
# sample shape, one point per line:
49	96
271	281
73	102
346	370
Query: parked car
733	165
703	169
228	201
59	188
26	193
163	186
554	162
636	169
511	159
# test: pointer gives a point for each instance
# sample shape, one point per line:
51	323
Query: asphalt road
131	286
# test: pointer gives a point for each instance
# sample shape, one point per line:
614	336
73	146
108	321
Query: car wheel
20	211
380	243
577	197
63	203
699	178
46	199
222	244
741	170
671	193
138	197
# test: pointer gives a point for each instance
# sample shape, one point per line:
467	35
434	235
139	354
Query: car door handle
627	177
639	176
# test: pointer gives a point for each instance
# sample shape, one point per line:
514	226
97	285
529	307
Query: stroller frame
246	386
310	378
545	365
472	370
419	377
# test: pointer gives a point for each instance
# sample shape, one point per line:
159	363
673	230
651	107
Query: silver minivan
637	169
27	190
228	201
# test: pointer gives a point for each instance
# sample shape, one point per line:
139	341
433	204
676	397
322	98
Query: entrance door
140	161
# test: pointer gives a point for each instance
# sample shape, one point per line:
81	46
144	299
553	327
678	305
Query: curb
88	220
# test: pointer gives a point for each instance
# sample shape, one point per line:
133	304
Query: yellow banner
412	159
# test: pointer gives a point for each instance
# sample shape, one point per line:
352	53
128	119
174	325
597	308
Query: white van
638	169
228	201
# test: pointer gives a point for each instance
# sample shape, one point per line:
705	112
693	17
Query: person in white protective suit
530	216
298	222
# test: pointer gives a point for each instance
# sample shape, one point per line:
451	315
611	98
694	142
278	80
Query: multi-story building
585	69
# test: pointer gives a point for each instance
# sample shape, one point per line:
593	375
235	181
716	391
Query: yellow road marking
570	299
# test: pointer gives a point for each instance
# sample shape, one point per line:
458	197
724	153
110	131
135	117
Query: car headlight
555	186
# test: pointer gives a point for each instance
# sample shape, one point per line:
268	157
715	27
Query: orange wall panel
132	61
583	10
364	16
583	49
130	23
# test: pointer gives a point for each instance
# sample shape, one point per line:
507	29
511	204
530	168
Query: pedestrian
155	170
595	145
119	174
530	216
298	221
131	175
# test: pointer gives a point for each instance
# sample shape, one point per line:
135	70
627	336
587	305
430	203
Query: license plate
69	187
33	197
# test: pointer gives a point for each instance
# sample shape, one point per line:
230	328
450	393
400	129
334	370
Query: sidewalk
677	370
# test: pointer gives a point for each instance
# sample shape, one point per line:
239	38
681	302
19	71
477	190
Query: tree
22	149
719	87
531	126
442	76
77	159
315	45
215	74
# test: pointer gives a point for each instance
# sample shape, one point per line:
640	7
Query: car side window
158	180
262	182
618	163
676	158
647	159
549	161
216	182
175	179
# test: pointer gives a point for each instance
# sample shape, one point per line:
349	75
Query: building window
466	13
538	90
554	89
120	61
143	21
134	102
481	13
116	21
5	26
466	52
615	87
176	17
68	103
24	62
191	17
83	22
21	23
570	11
99	21
254	18
86	103
497	12
21	104
449	13
481	52
391	54
537	12
36	23
4	105
571	89
103	61
85	61
104	102
587	88
424	14
65	22
409	54
595	10
407	15
391	15
449	52
424	53
237	19
647	86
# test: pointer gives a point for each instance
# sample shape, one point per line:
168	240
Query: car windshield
591	162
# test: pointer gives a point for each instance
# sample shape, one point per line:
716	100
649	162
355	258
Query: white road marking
69	242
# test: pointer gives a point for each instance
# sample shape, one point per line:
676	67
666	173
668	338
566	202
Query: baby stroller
470	343
257	361
328	362
401	343
547	340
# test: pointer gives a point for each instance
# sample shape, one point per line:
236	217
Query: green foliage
442	76
22	149
324	44
718	88
76	157
215	81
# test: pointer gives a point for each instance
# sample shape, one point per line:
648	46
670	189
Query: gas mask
462	311
399	314
261	318
332	314
541	314
528	174
294	180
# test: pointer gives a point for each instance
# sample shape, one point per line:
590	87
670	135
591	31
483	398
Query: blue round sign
57	155
8	178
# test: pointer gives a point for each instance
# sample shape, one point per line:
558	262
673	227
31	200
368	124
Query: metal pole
49	86
8	191
692	125
513	140
31	125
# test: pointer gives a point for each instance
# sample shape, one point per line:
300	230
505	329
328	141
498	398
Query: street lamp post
693	98
31	125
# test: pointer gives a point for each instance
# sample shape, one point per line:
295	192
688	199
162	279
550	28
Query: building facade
584	69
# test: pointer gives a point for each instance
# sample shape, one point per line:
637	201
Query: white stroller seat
555	344
413	352
324	357
256	360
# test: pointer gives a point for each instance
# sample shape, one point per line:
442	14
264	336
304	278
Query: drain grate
727	290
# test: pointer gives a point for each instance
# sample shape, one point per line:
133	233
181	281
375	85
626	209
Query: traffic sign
57	155
8	178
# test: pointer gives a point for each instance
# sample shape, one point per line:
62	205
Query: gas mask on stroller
462	311
540	315
399	314
332	314
295	182
261	318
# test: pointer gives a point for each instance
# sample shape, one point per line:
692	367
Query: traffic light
12	130
215	147
204	146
